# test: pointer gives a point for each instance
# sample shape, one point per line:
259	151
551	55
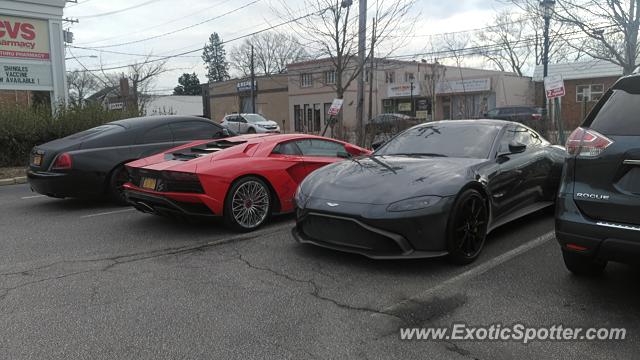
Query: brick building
584	82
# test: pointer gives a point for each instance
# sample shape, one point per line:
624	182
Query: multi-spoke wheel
467	227
115	190
248	204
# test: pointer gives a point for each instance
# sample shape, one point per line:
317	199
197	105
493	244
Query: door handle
632	162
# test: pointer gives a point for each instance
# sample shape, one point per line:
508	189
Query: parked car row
435	189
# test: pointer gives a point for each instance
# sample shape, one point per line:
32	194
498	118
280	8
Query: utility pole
546	7
371	69
253	82
362	38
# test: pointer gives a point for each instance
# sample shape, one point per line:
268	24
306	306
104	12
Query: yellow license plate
149	183
37	160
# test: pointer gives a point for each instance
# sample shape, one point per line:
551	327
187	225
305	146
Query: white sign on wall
554	86
24	38
463	86
402	90
25	76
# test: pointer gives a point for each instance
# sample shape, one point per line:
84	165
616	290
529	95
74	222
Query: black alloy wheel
467	227
118	178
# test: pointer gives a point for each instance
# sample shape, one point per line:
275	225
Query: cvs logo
24	30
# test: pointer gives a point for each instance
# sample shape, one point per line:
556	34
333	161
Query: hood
266	123
386	179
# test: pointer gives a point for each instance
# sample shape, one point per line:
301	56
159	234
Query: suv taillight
587	143
62	162
536	117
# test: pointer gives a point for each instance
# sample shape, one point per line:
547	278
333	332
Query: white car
249	124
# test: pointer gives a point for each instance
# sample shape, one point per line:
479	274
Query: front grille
344	232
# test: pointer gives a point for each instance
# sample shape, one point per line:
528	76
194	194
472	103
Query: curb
12	181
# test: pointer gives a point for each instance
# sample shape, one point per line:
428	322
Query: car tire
115	191
581	265
251	131
467	227
248	204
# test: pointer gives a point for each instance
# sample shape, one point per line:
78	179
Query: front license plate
149	183
37	160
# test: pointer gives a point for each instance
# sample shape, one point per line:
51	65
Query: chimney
124	87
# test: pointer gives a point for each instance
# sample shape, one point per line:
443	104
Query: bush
22	128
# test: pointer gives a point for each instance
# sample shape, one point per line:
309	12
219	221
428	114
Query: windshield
462	140
254	118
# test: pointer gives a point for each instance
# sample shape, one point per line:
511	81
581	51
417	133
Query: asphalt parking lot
81	279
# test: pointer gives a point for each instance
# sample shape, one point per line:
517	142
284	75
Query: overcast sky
105	23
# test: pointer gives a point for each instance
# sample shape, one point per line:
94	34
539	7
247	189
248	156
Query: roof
591	69
153	120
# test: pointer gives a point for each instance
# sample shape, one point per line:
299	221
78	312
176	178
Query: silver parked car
249	124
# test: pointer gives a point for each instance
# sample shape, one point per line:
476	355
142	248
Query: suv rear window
617	115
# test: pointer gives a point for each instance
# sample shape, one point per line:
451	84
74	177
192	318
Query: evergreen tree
215	59
189	85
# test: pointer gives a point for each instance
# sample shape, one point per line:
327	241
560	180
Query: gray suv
249	124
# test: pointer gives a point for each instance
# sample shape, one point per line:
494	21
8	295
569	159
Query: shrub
22	128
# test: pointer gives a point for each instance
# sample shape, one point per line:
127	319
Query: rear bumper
67	184
602	240
191	205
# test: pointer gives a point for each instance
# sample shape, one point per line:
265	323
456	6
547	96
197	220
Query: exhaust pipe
145	208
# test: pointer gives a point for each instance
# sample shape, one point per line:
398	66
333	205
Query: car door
507	179
187	131
289	156
153	140
233	124
318	152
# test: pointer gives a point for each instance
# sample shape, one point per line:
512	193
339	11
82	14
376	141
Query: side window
195	130
523	136
315	147
287	148
158	134
493	113
507	138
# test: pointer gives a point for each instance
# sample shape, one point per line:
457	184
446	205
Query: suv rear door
607	167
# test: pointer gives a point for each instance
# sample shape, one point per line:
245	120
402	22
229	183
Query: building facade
32	64
421	90
585	83
234	96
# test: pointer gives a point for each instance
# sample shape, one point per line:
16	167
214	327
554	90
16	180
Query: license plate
37	160
149	183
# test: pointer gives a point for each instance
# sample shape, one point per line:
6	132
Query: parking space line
105	213
32	197
474	272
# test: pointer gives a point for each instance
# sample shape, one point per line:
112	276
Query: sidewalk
12	175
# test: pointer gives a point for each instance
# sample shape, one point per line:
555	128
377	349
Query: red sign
24	38
554	86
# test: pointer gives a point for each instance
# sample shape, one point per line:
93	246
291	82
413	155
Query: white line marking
106	213
32	197
476	271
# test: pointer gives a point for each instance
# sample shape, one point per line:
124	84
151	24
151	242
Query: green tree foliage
189	85
215	59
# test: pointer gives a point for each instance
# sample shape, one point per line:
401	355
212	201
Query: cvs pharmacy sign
24	38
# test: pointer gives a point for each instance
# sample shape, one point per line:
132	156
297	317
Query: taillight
62	162
180	176
536	117
587	143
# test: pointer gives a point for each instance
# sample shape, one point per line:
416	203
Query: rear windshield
617	115
95	130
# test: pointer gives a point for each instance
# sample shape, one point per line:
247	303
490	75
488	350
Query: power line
118	11
178	30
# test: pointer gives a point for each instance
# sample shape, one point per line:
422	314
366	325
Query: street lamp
81	57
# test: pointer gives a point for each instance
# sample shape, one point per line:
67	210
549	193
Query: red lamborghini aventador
245	179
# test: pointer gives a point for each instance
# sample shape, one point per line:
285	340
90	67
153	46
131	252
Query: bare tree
456	45
272	52
505	44
332	32
610	28
81	85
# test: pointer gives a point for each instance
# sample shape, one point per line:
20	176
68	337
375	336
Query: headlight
261	125
415	203
300	198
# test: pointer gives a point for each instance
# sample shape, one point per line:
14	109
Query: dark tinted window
315	147
158	134
449	139
195	130
288	148
618	115
96	130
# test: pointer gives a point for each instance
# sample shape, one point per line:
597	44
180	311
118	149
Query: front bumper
372	231
261	130
74	184
599	239
169	204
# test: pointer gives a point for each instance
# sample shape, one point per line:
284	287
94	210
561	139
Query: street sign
336	105
554	86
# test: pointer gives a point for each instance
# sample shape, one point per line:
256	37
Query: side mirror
377	144
225	132
517	148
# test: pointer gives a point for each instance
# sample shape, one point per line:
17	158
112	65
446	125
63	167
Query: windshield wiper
417	154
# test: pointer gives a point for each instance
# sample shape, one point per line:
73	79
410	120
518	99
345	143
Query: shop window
389	77
408	77
297	118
